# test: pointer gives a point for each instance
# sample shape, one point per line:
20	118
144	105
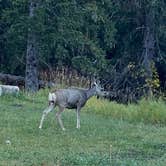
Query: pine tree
31	76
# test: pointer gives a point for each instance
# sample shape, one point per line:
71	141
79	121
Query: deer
70	98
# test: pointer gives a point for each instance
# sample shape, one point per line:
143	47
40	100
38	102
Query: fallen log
9	79
8	89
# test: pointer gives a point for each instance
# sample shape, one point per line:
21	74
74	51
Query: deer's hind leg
45	112
58	116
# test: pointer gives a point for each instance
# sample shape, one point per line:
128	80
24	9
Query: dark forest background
120	42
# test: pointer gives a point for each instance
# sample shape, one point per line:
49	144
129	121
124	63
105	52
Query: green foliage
154	83
64	30
13	27
94	37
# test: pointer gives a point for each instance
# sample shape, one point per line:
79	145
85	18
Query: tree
31	75
13	36
123	42
133	71
148	52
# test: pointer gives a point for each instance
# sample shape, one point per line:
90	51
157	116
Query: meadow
111	134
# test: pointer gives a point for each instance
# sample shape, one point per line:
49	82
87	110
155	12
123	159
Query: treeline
120	42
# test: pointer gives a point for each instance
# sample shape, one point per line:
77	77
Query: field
110	134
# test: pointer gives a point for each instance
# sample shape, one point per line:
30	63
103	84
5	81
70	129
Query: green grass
109	135
146	111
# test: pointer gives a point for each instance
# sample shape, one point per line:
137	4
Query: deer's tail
52	98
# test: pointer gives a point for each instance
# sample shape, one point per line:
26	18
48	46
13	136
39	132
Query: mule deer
69	98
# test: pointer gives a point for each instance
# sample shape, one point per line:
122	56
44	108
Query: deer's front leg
78	118
45	112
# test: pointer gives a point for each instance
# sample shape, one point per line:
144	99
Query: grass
146	111
109	135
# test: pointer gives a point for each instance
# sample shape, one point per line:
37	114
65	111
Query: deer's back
71	98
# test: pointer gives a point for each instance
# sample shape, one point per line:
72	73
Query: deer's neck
91	92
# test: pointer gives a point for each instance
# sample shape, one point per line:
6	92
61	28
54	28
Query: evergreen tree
123	42
31	76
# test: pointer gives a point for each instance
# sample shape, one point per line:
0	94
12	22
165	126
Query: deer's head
97	87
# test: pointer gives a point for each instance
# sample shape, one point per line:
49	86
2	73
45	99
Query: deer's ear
94	83
98	82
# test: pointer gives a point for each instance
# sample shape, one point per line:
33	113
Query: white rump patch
0	91
51	97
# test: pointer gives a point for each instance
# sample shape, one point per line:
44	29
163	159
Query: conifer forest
122	43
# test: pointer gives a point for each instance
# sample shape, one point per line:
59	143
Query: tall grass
66	76
146	111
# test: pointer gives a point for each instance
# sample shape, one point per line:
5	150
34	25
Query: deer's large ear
98	82
94	83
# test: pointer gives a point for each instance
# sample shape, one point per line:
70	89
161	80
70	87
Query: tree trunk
31	75
148	48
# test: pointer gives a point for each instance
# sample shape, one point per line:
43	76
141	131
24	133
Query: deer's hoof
63	129
40	127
